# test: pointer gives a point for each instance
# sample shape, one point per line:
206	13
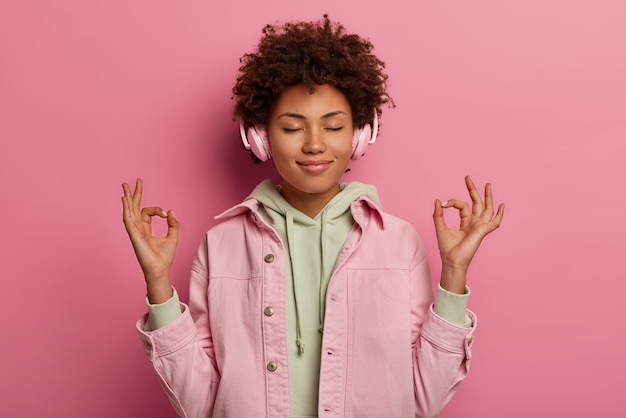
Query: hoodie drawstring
291	240
322	291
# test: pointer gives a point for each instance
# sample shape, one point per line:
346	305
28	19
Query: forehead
298	99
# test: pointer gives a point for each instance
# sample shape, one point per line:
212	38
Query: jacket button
272	366
269	258
268	311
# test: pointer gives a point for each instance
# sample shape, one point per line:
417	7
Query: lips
316	166
317	162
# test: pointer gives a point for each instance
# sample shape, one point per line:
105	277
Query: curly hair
313	53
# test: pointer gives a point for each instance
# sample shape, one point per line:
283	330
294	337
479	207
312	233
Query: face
310	137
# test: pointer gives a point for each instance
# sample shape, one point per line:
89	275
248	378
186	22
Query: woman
307	299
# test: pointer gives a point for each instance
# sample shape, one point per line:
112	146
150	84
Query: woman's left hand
458	246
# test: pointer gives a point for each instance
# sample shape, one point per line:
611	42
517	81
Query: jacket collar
362	209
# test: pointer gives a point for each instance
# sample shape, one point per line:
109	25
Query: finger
127	204
488	212
138	194
172	226
499	215
440	221
463	207
126	189
130	217
496	221
477	203
149	212
125	208
125	216
128	196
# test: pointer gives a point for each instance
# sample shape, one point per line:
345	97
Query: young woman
307	299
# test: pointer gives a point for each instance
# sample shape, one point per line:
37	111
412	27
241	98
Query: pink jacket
384	353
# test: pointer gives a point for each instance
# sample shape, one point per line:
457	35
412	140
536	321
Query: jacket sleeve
182	352
441	350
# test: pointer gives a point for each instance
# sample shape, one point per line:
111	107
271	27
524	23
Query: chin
313	186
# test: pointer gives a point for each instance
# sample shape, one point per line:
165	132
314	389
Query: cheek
283	153
344	149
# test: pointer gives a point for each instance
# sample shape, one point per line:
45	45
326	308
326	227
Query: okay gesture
458	246
155	254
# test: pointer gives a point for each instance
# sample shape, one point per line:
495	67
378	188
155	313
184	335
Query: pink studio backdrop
529	95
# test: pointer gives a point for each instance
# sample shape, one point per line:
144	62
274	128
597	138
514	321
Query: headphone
256	139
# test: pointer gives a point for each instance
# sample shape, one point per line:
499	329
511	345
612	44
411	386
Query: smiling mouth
314	166
307	163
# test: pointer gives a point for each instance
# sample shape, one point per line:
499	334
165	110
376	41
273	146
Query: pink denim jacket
385	353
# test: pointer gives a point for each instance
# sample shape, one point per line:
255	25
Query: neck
308	203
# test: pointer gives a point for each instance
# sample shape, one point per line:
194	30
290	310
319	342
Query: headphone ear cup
259	144
360	141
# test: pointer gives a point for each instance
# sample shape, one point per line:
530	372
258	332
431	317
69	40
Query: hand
457	247
155	254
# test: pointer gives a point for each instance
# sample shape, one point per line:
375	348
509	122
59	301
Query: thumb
172	225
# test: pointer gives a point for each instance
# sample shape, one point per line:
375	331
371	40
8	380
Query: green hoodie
312	247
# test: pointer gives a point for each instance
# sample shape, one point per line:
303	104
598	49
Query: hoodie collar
360	208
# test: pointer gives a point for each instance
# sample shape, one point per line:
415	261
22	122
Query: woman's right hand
155	254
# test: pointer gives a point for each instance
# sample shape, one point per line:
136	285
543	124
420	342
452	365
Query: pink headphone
256	139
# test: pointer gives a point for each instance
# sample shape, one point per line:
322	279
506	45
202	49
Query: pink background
530	95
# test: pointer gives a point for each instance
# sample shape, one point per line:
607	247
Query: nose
314	142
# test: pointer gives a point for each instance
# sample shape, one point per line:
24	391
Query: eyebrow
299	116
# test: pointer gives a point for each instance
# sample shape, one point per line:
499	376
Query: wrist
453	279
159	291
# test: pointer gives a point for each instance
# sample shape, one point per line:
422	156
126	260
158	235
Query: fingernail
164	213
443	205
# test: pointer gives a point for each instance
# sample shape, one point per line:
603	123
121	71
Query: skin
458	246
310	138
155	254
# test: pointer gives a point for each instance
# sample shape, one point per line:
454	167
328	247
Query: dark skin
155	254
313	128
457	247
